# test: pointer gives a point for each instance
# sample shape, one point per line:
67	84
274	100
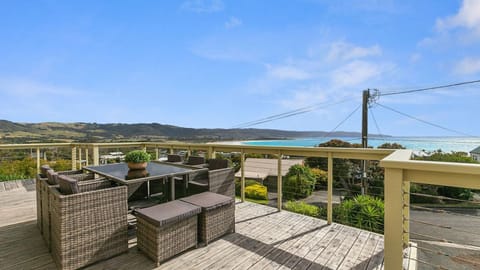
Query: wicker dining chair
42	176
174	158
220	181
44	185
88	222
196	161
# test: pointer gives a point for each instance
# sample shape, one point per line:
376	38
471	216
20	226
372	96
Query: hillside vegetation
11	132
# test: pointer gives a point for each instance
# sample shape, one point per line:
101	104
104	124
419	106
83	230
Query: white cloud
468	66
26	88
355	73
287	73
203	6
468	17
233	22
344	51
415	57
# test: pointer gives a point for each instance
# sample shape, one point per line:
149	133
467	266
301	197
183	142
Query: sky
220	64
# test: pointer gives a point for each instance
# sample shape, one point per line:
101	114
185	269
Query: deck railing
400	171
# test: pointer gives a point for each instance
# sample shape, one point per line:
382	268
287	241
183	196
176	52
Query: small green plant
137	156
256	191
363	211
302	208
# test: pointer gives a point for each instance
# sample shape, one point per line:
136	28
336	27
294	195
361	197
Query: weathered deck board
264	239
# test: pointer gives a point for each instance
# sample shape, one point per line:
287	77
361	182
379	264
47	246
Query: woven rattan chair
44	185
42	176
220	181
196	161
174	158
88	226
217	217
166	230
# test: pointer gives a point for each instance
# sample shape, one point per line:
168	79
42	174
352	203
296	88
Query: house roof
475	151
261	168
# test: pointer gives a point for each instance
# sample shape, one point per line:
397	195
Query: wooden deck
264	239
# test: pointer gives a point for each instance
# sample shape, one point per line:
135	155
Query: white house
475	154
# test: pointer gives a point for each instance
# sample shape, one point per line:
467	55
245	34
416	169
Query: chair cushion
44	169
52	177
215	164
167	213
208	200
68	185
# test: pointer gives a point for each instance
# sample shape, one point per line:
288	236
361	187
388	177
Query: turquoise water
446	144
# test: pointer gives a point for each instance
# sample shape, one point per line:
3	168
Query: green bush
363	211
302	208
257	192
137	156
61	165
248	182
298	183
321	177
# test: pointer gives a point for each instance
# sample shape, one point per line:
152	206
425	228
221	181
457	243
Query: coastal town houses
475	154
265	170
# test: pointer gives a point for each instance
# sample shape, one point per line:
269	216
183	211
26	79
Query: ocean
428	144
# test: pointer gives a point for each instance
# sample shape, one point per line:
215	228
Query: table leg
172	188
148	189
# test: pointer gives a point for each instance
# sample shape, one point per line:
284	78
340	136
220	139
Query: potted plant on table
137	159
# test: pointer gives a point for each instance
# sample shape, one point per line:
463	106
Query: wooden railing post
279	182
74	157
242	180
38	159
80	157
330	189
406	213
96	155
86	156
394	206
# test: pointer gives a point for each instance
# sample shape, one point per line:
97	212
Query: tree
344	170
298	183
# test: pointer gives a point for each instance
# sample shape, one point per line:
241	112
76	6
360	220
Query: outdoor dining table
155	171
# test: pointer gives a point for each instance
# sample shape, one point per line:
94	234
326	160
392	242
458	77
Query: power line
424	121
428	88
376	125
290	113
343	121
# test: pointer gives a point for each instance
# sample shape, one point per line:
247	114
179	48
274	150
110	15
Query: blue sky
218	63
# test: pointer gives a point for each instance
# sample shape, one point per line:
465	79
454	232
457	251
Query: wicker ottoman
167	229
217	217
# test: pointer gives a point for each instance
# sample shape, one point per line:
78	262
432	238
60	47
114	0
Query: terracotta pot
137	166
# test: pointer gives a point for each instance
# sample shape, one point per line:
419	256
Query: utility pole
366	98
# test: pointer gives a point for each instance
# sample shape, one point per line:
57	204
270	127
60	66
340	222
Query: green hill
11	132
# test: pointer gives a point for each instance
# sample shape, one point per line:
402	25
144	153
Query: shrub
321	177
363	211
61	165
302	208
298	183
137	156
257	192
248	182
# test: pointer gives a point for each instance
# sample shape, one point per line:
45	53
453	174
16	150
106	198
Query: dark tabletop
154	170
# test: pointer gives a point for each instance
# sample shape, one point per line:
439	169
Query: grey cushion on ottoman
166	213
217	217
167	229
